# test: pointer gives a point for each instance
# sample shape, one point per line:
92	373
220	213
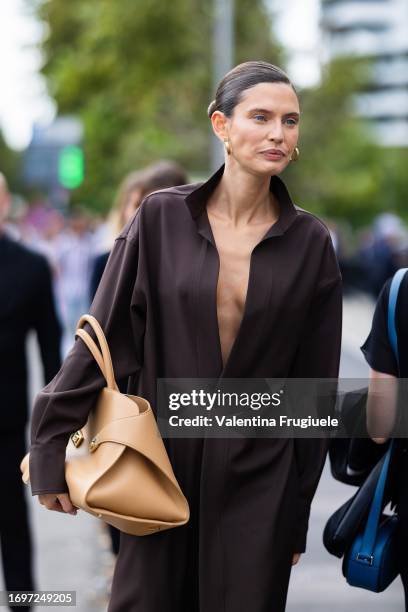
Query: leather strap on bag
370	532
392	306
103	359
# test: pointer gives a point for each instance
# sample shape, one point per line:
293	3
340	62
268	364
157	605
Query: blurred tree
342	172
9	164
139	76
392	181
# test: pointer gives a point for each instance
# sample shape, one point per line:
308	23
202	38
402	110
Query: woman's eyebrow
270	112
260	110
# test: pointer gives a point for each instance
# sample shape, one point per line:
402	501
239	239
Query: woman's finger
51	503
295	558
65	501
59	502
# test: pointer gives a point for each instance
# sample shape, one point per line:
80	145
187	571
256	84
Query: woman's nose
276	132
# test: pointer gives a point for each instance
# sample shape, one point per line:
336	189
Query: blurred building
377	29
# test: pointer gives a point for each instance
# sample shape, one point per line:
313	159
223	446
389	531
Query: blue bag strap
370	532
392	306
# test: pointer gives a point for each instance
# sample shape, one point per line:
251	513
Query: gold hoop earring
227	147
295	154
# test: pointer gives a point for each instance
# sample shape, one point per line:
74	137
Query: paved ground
73	552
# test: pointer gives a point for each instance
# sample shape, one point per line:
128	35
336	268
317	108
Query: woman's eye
291	121
260	117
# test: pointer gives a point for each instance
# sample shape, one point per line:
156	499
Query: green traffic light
71	167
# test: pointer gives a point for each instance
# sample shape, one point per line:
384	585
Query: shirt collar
196	201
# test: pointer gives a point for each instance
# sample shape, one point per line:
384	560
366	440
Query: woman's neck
243	198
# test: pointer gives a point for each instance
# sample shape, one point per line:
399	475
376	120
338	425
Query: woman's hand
60	502
295	558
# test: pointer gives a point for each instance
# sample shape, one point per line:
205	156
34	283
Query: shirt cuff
47	469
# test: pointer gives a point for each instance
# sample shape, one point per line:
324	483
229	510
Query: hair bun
211	108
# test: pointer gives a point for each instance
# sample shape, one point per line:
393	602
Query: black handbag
343	525
353	454
372	559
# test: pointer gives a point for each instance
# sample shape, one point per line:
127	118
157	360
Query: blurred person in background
381	402
134	187
36	219
26	304
47	242
74	257
13	226
378	257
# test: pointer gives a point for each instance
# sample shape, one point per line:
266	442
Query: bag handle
101	355
81	333
370	532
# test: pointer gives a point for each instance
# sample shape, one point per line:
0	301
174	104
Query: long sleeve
318	356
63	405
47	325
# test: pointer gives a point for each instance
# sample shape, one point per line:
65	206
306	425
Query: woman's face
264	128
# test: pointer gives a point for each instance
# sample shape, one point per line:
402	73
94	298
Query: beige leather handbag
125	477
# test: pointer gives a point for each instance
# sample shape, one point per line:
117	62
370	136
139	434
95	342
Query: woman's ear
219	125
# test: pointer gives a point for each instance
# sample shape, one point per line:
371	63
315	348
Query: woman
382	400
221	279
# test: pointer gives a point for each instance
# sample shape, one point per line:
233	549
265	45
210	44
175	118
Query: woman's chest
230	305
234	248
243	279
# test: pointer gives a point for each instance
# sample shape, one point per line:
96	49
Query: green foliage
139	76
342	173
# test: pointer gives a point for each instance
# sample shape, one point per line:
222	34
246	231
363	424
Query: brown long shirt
157	305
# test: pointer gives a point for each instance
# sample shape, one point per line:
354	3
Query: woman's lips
273	154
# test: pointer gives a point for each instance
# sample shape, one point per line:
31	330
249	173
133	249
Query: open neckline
196	202
241	323
215	301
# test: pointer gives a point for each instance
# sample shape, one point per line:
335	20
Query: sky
23	98
297	28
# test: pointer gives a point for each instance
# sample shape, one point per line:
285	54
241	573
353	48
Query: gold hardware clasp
77	438
93	444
